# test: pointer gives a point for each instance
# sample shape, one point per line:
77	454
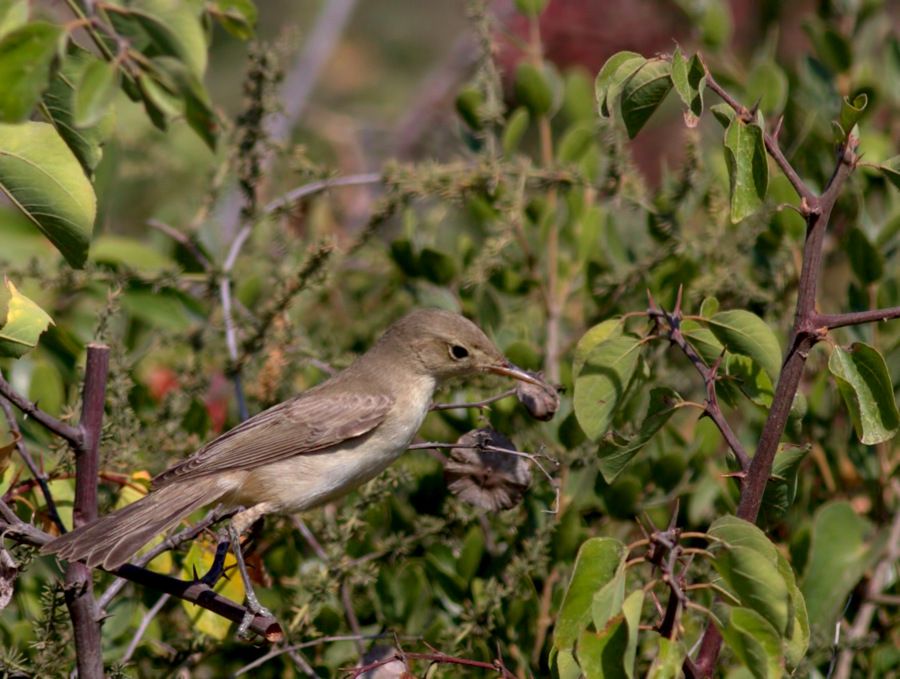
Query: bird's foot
254	608
217	569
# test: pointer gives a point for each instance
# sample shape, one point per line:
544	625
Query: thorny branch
709	375
807	331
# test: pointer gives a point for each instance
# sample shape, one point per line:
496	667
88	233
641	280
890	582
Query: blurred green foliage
534	219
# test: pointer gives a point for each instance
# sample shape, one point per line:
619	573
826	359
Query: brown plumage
309	449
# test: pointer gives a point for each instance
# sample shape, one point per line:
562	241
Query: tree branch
832	321
73	435
711	407
804	336
39	476
193	592
79	587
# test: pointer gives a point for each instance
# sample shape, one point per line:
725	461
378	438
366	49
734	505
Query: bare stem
39	476
72	435
79	587
806	333
832	321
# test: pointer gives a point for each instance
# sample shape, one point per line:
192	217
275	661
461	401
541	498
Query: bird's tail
112	540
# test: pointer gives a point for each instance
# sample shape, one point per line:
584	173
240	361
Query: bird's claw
254	608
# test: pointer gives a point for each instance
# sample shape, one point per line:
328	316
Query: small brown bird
308	450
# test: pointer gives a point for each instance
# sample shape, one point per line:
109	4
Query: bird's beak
509	370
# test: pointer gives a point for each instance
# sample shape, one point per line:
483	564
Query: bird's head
446	345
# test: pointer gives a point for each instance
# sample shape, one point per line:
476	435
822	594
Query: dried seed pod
488	479
540	400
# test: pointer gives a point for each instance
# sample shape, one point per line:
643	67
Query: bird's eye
458	352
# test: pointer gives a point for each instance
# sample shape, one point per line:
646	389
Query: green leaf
689	79
668	661
891	170
531	8
755	581
607	601
612	76
174	30
26	56
610	653
709	307
797	642
13	13
471	553
782	486
768	85
468	105
703	340
748	168
611	327
866	260
723	113
238	17
751	379
643	92
25	322
533	89
602	381
131	253
736	532
438	267
754	641
851	112
597	563
865	385
45	181
575	143
743	332
58	108
173	82
616	452
95	92
515	128
839	556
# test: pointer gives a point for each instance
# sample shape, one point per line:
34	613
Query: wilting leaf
748	169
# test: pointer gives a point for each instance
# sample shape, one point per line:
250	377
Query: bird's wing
306	424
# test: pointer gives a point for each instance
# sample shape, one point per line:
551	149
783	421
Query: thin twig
184	240
72	435
474	404
142	627
39	476
312	188
711	408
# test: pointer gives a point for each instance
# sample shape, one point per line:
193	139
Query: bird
306	451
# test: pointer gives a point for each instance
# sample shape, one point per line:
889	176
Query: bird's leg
217	569
254	608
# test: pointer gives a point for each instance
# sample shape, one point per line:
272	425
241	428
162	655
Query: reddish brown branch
79	588
708	373
832	321
806	332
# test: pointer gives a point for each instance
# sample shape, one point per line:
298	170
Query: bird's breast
308	480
